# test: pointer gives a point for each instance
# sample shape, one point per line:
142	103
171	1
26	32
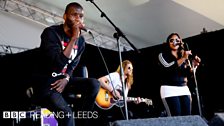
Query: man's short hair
73	4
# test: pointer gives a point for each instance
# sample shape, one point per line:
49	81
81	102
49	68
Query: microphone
86	30
175	43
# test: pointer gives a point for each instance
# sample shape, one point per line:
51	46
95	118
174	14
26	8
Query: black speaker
217	120
194	120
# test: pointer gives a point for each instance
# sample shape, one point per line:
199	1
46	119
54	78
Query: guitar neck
147	101
131	99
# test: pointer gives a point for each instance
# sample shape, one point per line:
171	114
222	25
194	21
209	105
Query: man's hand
78	25
59	85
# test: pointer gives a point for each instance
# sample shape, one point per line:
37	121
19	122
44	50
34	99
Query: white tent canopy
145	23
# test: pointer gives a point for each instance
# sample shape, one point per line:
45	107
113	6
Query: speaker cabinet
194	120
217	120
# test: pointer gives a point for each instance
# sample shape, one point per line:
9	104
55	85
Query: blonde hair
129	79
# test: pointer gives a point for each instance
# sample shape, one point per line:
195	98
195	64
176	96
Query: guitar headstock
147	101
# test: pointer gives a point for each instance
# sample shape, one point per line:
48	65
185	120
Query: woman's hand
196	61
116	94
139	100
186	54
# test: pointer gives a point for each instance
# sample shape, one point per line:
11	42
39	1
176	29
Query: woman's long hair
129	80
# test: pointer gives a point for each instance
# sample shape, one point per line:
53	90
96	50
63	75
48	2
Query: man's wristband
67	78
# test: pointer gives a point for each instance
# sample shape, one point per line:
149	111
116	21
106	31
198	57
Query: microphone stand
122	75
119	32
117	35
197	93
196	84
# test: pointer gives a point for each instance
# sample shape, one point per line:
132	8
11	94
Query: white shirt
115	81
169	91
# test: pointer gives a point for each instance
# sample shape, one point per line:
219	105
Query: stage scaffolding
7	49
37	13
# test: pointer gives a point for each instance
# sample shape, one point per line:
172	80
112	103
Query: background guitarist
109	95
113	83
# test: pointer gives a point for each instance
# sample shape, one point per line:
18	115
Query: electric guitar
105	100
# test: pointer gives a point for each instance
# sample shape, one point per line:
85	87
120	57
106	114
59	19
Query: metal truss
6	49
30	10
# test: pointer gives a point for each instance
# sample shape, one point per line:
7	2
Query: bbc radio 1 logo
14	114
